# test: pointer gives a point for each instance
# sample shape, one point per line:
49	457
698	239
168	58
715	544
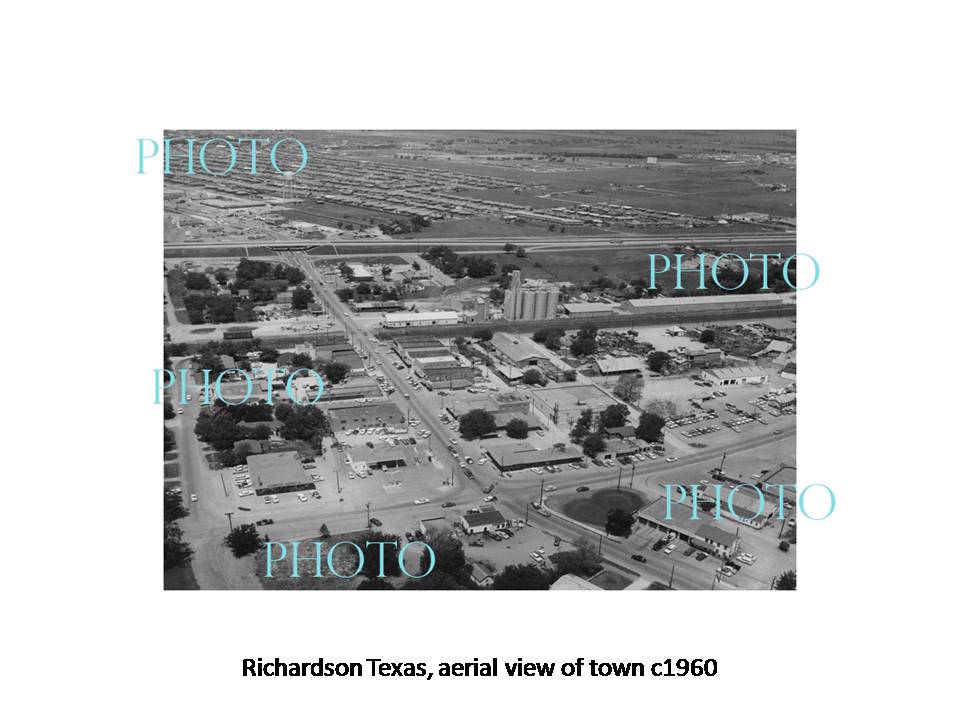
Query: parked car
639	558
421	501
583	488
701	556
193	497
490	498
301	497
375	522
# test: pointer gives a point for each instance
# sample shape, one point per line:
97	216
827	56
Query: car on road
421	501
488	489
193	497
301	497
583	488
469	473
245	493
671	459
375	522
550	488
745	560
778	431
316	494
726	570
490	498
462	464
556	541
449	505
544	512
639	558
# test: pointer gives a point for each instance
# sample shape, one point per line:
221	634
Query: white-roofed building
420	319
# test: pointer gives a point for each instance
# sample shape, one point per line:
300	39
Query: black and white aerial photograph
479	359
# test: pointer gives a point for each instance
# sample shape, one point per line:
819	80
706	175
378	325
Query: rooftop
573	582
619	364
488	515
741	371
275	469
517	347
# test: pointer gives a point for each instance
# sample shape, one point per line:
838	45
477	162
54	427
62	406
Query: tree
532	376
476	424
629	388
549	337
283	411
521	252
658	361
244	539
665	408
168	412
583	560
324	531
300	360
583	345
649	427
261	432
517	429
787	581
387	271
173	506
304	422
302	297
371	565
335	372
582	426
176	552
521	577
483	334
708	336
196	281
593	445
619	522
375	584
345	271
613	416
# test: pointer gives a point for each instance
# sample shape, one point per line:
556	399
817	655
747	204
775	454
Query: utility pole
224	484
722	461
368	515
600	548
230	519
619	478
338	481
633	471
526	518
670	584
541	490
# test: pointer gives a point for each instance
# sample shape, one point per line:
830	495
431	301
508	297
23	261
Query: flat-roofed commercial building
522	456
761	301
419	319
278	472
588	309
354	417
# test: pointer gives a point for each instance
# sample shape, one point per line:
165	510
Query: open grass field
331	214
593	508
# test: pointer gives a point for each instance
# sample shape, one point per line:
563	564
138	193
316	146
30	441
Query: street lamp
230	519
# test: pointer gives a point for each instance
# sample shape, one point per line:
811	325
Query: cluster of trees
413	224
368	291
534	376
477	424
205	308
549	337
585	343
658	361
176	552
448	262
650	427
302	297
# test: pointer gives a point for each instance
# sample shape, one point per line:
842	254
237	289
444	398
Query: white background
88	627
